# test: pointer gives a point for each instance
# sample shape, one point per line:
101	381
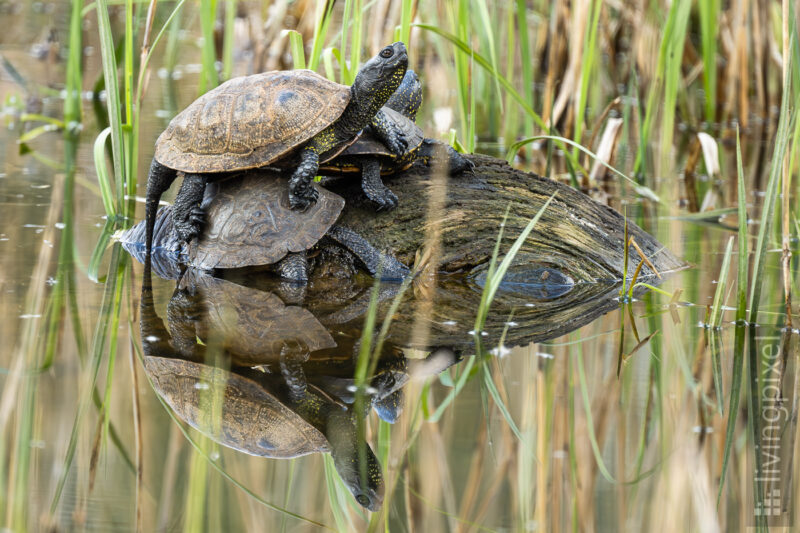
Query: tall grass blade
589	48
112	96
716	323
718	303
103	179
741	311
208	76
227	39
709	17
668	65
785	125
324	11
296	46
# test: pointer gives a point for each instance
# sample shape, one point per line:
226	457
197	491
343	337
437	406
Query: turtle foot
190	227
397	142
390	134
386	199
302	196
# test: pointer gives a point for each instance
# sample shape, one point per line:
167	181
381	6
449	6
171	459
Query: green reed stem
589	49
227	39
785	126
667	68
112	98
527	61
324	12
709	26
208	77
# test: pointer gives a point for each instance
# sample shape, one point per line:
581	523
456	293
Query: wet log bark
575	235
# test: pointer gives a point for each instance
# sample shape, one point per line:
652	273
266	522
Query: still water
585	411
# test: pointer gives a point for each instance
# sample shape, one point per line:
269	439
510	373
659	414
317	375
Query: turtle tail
158	180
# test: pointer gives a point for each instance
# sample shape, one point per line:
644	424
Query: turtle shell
251	121
368	144
253	325
253	420
249	222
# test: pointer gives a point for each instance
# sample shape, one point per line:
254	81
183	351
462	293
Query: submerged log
575	235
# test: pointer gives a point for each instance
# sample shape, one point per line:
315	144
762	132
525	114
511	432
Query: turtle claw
301	195
303	200
387	202
397	143
190	228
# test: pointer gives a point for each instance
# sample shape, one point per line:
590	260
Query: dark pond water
242	399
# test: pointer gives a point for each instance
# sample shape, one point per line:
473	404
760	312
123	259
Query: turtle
255	327
370	156
250	223
264	419
293	118
277	415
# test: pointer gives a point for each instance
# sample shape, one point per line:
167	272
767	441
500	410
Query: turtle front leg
301	193
373	186
187	214
389	134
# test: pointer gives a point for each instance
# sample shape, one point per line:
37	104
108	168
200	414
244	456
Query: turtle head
355	462
433	152
378	79
408	97
364	479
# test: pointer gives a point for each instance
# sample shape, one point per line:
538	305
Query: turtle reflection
285	371
268	405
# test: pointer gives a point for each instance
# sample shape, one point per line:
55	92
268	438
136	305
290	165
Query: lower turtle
250	223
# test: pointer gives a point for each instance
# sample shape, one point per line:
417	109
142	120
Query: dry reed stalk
605	151
169	478
137	432
570	81
439	464
554	46
689	183
430	254
786	180
381	19
541	515
760	45
473	483
490	496
742	61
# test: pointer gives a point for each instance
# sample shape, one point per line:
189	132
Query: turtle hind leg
375	261
158	180
373	186
187	213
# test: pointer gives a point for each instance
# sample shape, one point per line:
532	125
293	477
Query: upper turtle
251	121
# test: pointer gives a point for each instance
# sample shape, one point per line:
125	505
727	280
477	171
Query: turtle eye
361	498
387	52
